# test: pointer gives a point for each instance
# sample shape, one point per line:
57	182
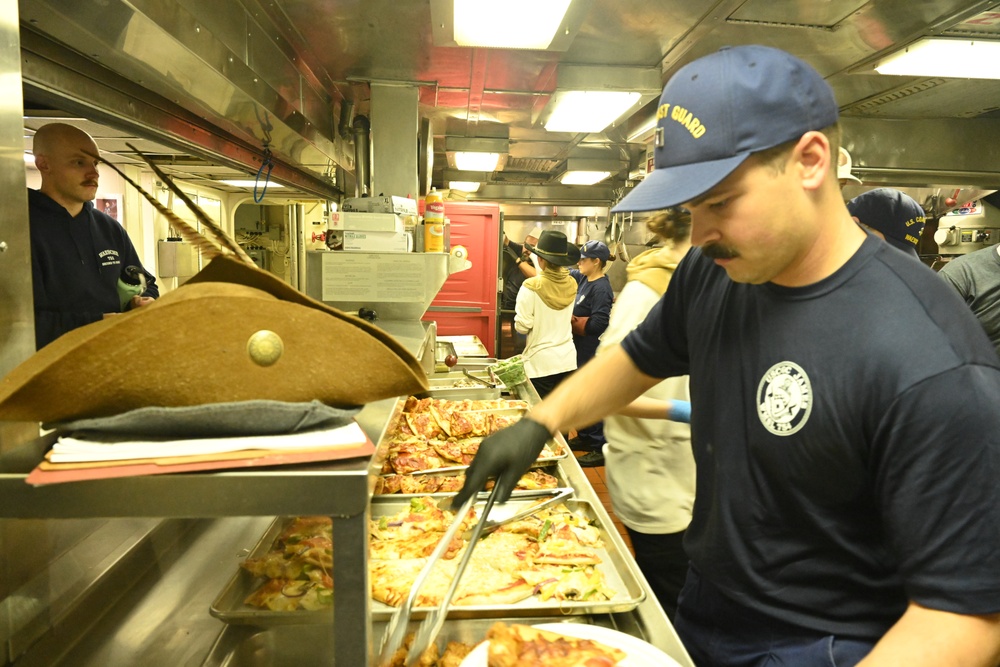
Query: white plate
638	652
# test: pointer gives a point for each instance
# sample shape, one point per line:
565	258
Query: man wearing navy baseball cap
891	215
839	518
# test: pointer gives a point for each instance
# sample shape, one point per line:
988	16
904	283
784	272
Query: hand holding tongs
395	632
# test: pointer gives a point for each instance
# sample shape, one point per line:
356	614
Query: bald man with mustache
83	264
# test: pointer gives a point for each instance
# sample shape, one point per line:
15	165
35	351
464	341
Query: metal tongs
429	628
478	379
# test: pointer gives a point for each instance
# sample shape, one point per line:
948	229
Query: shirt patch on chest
784	398
109	257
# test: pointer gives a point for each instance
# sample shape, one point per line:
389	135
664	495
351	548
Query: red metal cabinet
467	302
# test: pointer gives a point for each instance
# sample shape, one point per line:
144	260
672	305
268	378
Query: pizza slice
450	449
576	584
424	424
292	594
412	456
524	646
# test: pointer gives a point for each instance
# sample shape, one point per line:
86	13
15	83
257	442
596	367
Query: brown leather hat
231	333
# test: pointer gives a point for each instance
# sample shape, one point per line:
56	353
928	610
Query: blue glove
505	455
679	411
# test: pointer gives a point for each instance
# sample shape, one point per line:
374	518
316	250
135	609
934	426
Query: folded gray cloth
215	420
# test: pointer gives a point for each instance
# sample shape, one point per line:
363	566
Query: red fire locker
467	302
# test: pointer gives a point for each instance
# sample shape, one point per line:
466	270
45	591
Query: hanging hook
269	163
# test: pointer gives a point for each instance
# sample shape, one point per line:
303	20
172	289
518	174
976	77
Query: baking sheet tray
467	346
618	571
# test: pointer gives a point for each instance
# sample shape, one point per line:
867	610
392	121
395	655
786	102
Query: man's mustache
717	251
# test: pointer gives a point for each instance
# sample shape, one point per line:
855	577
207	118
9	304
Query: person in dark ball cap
891	215
847	510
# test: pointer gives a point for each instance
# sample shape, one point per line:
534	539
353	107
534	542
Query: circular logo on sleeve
784	398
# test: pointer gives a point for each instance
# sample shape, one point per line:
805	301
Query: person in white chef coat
847	510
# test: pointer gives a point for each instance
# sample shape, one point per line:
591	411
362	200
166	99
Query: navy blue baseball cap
717	110
595	250
895	214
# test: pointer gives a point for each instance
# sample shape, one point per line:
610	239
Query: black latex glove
511	253
505	455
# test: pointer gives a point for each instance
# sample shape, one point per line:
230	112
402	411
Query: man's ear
41	163
812	159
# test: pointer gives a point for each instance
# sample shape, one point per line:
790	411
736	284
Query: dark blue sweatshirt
75	266
594	300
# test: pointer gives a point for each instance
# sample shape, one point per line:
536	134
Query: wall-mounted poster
110	204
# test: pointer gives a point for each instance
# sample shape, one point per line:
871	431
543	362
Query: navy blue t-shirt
594	299
846	436
75	266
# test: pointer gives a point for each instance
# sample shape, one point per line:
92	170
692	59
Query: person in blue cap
591	311
847	509
891	215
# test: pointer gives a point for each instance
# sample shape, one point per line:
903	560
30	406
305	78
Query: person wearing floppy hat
891	215
806	543
543	310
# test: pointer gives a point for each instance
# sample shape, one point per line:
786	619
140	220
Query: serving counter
150	604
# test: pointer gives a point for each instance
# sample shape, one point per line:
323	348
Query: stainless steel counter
159	615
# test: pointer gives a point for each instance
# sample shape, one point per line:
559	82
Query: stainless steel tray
229	606
619	571
466	346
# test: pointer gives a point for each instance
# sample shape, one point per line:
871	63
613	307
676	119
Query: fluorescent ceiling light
467	161
583	177
249	183
464	186
954	58
512	24
588	110
29	159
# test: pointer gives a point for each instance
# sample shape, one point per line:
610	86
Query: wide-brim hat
555	249
231	333
718	110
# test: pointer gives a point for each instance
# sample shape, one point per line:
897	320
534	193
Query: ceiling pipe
362	156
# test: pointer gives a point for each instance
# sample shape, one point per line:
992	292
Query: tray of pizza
556	561
284	578
434	436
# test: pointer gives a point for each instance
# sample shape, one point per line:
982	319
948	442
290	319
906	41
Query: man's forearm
603	386
925	637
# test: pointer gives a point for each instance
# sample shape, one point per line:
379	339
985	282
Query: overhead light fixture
583	177
513	24
589	98
468	161
29	159
249	183
588	110
464	186
943	57
503	24
589	170
487	154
